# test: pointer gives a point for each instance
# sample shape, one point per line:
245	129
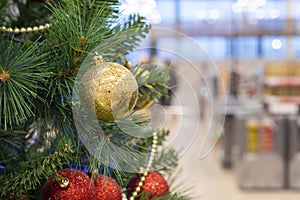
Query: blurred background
234	110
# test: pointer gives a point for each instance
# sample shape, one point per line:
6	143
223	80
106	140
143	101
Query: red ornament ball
155	185
77	189
106	188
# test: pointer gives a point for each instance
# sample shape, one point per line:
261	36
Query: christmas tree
74	112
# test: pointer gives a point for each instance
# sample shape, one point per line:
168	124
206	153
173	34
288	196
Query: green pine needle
32	173
25	69
152	81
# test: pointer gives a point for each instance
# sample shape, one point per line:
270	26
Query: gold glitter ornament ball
108	90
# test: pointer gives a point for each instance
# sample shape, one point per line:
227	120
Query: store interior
234	111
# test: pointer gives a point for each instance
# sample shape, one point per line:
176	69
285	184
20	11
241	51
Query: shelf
283	105
282	99
282	81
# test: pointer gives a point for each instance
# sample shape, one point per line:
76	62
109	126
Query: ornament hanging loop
62	181
98	59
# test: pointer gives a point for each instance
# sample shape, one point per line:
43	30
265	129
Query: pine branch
152	82
108	145
77	28
11	144
146	74
182	187
166	161
32	173
117	132
128	33
3	4
168	196
143	143
91	26
21	71
31	14
173	197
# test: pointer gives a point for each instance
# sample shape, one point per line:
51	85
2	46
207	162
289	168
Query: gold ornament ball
109	91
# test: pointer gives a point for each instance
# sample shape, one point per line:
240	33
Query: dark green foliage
25	71
3	4
152	81
30	174
31	14
11	148
168	196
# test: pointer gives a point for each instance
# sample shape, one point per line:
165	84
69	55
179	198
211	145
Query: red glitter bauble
106	188
155	185
77	189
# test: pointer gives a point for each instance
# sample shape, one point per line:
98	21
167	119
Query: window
166	9
245	47
296	46
274	47
193	48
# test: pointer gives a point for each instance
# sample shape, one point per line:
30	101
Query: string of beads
25	30
147	169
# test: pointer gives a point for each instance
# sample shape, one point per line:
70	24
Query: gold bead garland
25	30
149	165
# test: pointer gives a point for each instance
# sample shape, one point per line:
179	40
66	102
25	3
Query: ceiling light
276	44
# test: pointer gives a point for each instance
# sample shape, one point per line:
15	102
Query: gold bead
150	163
154	134
134	194
143	178
138	188
154	146
153	150
22	30
150	159
141	169
146	172
154	141
140	184
131	198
